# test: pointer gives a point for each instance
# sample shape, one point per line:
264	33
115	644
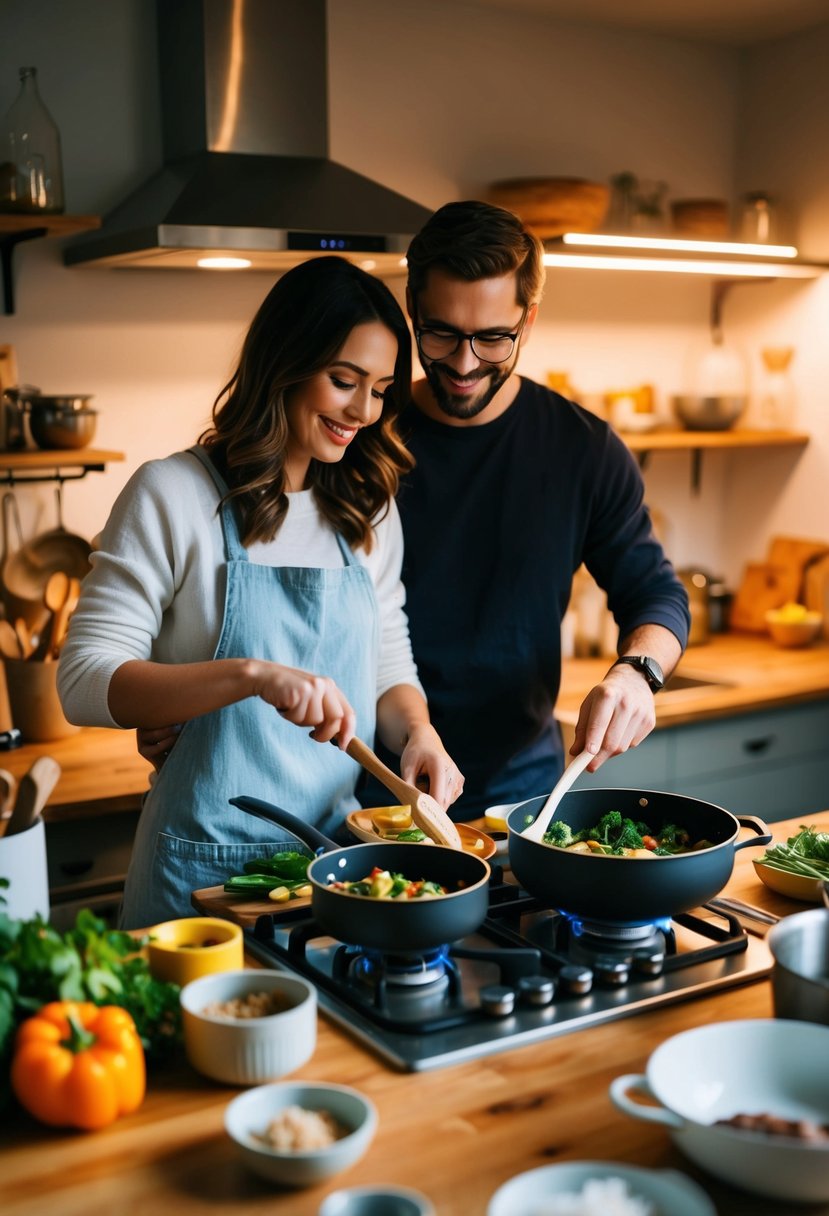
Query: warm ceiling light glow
368	264
733	270
224	263
676	244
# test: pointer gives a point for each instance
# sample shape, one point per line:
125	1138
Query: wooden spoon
33	793
54	597
9	642
427	814
574	769
24	637
60	622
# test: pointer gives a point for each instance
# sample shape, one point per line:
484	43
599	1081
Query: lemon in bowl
793	624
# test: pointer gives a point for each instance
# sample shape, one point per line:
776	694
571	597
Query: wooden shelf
20	468
18	227
670	440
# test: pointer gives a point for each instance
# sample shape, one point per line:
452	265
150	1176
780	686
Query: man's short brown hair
474	240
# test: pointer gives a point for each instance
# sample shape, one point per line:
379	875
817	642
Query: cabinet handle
757	746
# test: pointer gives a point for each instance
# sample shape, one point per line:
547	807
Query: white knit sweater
157	585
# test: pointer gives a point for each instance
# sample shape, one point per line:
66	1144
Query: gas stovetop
527	974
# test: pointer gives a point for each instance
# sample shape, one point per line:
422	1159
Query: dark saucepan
392	926
629	889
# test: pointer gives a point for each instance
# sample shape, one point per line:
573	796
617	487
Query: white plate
668	1190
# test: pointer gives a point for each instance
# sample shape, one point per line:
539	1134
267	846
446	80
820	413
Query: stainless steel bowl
57	427
800	976
697	413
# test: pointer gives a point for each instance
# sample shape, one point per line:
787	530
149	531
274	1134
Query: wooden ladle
574	769
427	813
54	597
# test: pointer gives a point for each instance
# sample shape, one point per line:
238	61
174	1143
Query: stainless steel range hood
246	172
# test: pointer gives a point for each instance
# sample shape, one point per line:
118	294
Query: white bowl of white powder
599	1188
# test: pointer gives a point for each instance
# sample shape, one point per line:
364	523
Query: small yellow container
183	950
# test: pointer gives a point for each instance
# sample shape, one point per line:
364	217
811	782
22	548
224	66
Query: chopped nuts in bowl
301	1133
246	1027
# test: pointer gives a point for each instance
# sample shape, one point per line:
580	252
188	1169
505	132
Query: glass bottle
31	174
777	397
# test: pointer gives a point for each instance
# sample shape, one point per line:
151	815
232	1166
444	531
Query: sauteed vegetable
616	836
381	884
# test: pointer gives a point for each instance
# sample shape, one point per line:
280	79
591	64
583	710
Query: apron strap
234	549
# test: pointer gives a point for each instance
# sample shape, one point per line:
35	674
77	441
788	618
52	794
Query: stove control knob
575	979
648	962
536	989
612	971
496	1001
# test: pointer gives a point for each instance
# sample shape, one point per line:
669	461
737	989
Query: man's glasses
442	342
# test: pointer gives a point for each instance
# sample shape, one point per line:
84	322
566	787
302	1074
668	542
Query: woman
251	585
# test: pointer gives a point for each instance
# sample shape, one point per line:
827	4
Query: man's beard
464	407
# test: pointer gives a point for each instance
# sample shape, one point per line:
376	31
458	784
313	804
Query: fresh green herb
412	835
806	853
285	866
260	884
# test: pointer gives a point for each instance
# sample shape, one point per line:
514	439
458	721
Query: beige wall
548	98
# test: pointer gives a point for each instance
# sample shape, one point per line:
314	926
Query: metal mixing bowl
698	413
58	427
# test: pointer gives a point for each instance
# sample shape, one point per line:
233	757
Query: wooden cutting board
764	586
816	590
241	909
796	556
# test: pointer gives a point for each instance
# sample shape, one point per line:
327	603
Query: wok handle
756	825
303	831
637	1083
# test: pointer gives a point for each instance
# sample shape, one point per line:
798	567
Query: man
514	487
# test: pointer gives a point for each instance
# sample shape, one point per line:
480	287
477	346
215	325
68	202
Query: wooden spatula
33	793
427	814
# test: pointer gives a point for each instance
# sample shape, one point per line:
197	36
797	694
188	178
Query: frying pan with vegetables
393	926
629	889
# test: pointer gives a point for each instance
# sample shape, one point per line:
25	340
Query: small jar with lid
758	221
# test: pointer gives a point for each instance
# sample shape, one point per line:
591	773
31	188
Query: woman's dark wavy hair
298	331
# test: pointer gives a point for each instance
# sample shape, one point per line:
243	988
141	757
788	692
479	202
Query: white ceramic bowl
767	1066
248	1116
669	1191
377	1201
248	1051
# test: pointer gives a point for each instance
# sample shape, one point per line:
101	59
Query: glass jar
31	173
758	224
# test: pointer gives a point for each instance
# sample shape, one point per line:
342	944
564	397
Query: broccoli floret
628	838
672	838
559	833
608	828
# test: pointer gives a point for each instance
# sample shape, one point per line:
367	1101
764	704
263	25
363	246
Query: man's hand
615	715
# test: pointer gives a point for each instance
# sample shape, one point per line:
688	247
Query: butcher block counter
456	1133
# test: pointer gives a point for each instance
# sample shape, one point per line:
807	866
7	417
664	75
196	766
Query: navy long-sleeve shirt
496	520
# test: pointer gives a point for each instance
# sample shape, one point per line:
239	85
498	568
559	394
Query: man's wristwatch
649	668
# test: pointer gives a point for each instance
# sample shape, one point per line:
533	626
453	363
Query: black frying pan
629	889
392	926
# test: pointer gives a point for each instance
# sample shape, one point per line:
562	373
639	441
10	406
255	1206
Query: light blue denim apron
323	621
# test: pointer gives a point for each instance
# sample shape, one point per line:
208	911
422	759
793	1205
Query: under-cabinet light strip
677	244
578	261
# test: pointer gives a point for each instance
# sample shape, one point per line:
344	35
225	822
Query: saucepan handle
303	831
763	834
637	1083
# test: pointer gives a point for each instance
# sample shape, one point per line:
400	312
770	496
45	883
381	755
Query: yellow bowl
183	950
793	632
796	886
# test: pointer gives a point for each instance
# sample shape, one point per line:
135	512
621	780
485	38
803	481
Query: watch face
653	673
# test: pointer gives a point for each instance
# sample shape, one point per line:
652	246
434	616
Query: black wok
391	926
629	889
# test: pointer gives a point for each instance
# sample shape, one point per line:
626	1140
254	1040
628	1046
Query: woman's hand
156	744
425	759
308	700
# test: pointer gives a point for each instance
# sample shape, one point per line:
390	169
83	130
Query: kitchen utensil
664	1190
247	1051
753	920
472	840
26	571
54	597
54	426
23	862
61	622
33	793
550	206
712	412
392	926
35	706
24	638
574	769
800	976
10	646
724	1069
763	586
8	789
629	889
247	1117
428	814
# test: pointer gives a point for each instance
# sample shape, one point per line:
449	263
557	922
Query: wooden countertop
456	1133
751	671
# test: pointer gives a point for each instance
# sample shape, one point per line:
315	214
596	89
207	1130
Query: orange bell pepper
76	1064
